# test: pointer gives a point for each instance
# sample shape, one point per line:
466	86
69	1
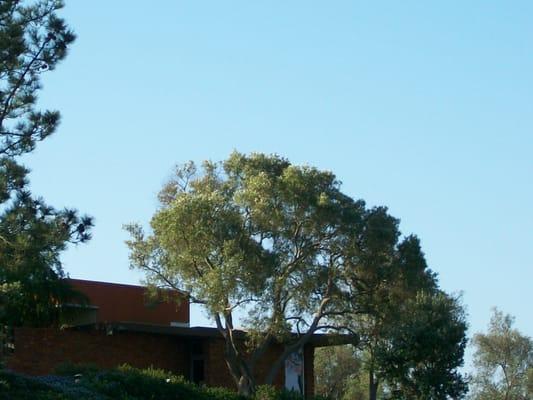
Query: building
122	324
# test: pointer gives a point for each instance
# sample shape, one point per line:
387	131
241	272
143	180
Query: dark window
197	349
197	362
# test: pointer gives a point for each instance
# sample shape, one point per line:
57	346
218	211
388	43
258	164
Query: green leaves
251	227
336	369
282	244
412	333
33	39
503	360
32	236
425	348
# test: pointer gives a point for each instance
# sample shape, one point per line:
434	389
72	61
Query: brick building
121	324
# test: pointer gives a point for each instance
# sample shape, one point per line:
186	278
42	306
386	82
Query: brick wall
39	350
217	372
264	364
118	302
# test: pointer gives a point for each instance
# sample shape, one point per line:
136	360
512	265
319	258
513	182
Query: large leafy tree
33	39
285	246
386	270
423	351
503	361
396	296
257	234
417	357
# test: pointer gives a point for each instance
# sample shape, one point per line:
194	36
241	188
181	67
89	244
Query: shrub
218	393
71	369
122	383
19	387
129	383
268	392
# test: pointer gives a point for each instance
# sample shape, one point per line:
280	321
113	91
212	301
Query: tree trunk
239	368
373	384
241	373
245	387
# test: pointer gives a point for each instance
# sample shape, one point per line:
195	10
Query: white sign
294	372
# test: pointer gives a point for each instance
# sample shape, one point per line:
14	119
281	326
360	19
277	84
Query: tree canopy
413	335
279	244
396	296
33	39
503	360
422	353
253	233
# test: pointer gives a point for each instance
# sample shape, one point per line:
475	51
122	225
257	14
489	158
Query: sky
424	107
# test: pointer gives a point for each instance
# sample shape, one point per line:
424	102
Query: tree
387	270
335	368
395	293
33	39
285	246
503	359
340	373
255	234
417	357
425	349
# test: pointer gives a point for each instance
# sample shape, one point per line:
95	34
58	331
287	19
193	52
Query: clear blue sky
425	107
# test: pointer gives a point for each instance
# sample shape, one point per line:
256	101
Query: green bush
268	392
122	383
71	369
128	383
218	393
22	388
